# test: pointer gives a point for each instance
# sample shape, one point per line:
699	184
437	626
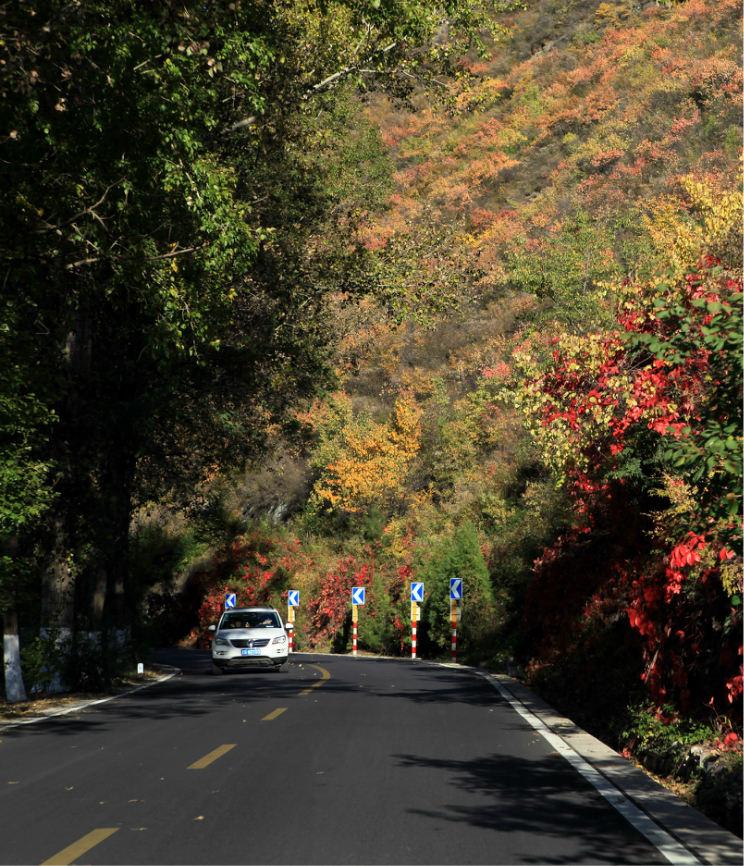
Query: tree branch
249	121
93	260
315	88
88	211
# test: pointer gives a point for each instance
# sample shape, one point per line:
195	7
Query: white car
249	637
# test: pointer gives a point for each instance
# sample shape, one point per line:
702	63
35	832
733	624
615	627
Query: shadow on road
174	698
543	799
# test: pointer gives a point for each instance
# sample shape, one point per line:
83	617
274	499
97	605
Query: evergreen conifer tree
459	558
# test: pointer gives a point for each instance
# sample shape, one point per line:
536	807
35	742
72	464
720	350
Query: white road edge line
672	850
84	706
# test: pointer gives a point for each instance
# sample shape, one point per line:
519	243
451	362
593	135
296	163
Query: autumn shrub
255	566
585	655
662	85
681	393
651	733
667	730
330	609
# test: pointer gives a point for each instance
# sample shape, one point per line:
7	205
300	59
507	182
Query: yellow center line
273	714
77	849
326	676
212	756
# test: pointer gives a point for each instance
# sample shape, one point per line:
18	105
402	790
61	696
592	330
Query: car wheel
217	671
283	668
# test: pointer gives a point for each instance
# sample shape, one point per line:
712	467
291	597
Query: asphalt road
340	760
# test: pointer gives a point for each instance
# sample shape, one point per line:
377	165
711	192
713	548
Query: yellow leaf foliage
714	229
372	461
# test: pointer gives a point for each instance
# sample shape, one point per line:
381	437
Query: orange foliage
607	122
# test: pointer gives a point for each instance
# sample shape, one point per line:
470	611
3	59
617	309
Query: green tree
25	496
174	219
375	621
460	557
567	269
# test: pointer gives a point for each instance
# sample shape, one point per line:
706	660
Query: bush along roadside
700	761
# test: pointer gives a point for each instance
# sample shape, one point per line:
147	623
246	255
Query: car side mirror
212	628
289	626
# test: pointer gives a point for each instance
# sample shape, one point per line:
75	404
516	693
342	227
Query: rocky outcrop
714	777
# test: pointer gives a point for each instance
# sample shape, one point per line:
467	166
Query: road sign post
414	621
354	616
357	600
417	596
293	601
455	597
453	617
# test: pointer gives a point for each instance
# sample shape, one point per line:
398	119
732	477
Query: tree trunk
14	688
74	428
58	583
117	619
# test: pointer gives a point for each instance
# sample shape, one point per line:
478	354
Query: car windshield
250	619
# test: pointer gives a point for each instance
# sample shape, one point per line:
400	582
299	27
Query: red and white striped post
290	631
414	619
417	596
453	615
354	629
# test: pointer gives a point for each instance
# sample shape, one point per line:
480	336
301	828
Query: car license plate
250	652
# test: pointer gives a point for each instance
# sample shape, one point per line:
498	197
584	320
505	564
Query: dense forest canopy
183	185
315	296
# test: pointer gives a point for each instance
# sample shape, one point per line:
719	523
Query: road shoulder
703	837
63	708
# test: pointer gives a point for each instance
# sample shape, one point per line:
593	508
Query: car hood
250	633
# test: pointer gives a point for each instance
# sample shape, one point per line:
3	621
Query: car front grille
241	644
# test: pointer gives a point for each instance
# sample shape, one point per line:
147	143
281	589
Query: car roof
250	610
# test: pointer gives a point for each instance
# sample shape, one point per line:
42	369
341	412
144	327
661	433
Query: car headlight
221	642
281	639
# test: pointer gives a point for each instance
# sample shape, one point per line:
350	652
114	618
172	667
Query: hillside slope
544	380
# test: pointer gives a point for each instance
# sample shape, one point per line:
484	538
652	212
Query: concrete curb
704	838
83	704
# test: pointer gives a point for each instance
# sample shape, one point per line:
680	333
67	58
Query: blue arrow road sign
417	592
293	598
357	595
230	599
455	588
